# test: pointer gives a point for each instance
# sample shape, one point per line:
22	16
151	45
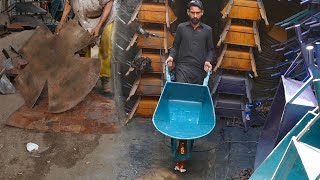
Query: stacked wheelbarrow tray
155	19
297	155
240	35
295	93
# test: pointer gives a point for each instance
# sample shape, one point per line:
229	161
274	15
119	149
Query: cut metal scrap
4	19
52	61
16	40
7	64
5	85
29	7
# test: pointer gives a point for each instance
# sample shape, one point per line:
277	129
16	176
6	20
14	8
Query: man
95	16
193	50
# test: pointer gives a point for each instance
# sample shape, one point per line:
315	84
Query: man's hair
197	3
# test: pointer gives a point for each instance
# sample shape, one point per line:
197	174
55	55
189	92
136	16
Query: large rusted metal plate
95	115
16	40
52	61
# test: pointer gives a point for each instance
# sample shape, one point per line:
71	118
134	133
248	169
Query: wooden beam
165	41
224	33
230	4
135	13
167	13
263	12
256	35
133	40
253	63
133	111
134	88
220	58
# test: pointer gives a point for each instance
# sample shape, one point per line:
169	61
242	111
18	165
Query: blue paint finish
269	166
184	112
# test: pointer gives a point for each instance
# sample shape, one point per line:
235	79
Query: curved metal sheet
52	60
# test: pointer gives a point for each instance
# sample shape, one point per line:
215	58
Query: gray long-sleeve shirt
191	48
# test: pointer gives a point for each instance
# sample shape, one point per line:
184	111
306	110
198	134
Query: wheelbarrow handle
206	79
168	78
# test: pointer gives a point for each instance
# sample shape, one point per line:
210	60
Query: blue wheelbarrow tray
185	111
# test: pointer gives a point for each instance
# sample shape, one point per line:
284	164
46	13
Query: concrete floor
138	152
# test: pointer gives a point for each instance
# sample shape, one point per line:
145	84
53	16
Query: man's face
195	14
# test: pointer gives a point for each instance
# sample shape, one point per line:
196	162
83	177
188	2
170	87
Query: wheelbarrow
185	112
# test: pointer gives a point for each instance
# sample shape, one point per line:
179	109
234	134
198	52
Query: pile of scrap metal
237	58
15	30
295	94
297	155
11	61
153	39
23	16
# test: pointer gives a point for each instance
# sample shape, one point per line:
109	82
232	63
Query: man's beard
195	21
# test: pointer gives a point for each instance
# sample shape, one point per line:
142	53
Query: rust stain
95	115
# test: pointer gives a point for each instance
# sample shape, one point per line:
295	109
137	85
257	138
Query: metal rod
298	32
310	60
317	53
292	66
317	89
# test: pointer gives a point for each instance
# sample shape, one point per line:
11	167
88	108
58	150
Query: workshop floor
138	152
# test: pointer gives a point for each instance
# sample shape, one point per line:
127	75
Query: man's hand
95	31
207	66
58	28
169	61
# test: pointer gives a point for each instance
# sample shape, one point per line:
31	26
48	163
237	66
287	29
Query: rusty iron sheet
52	61
33	22
19	26
6	86
97	114
4	19
28	7
15	40
16	64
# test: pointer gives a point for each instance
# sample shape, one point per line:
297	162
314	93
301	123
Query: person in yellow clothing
105	54
96	16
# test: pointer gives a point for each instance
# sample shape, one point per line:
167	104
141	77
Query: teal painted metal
292	100
184	112
297	18
270	164
290	159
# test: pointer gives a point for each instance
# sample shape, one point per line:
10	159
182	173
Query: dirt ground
61	150
139	151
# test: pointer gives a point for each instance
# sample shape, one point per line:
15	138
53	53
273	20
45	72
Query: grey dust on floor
139	151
